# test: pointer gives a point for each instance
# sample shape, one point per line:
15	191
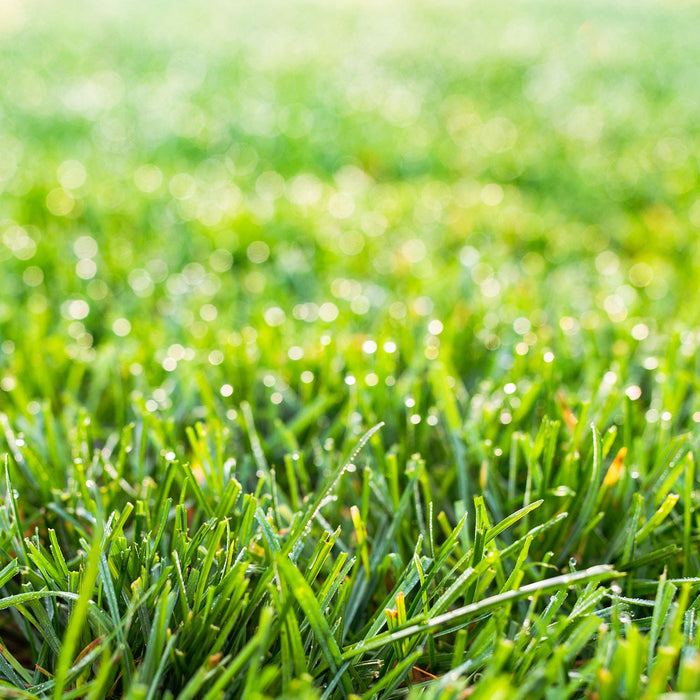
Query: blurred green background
282	199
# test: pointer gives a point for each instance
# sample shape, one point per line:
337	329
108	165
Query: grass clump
360	368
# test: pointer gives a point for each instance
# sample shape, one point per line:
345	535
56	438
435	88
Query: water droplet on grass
371	379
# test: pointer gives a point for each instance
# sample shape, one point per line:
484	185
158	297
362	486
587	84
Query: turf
349	350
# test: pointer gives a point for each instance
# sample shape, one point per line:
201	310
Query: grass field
349	349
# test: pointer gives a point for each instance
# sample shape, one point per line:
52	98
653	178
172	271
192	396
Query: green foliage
349	351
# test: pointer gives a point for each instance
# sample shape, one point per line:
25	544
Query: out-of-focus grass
232	239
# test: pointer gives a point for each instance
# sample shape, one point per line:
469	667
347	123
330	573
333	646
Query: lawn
349	349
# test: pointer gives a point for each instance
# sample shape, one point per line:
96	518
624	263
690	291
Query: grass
349	351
